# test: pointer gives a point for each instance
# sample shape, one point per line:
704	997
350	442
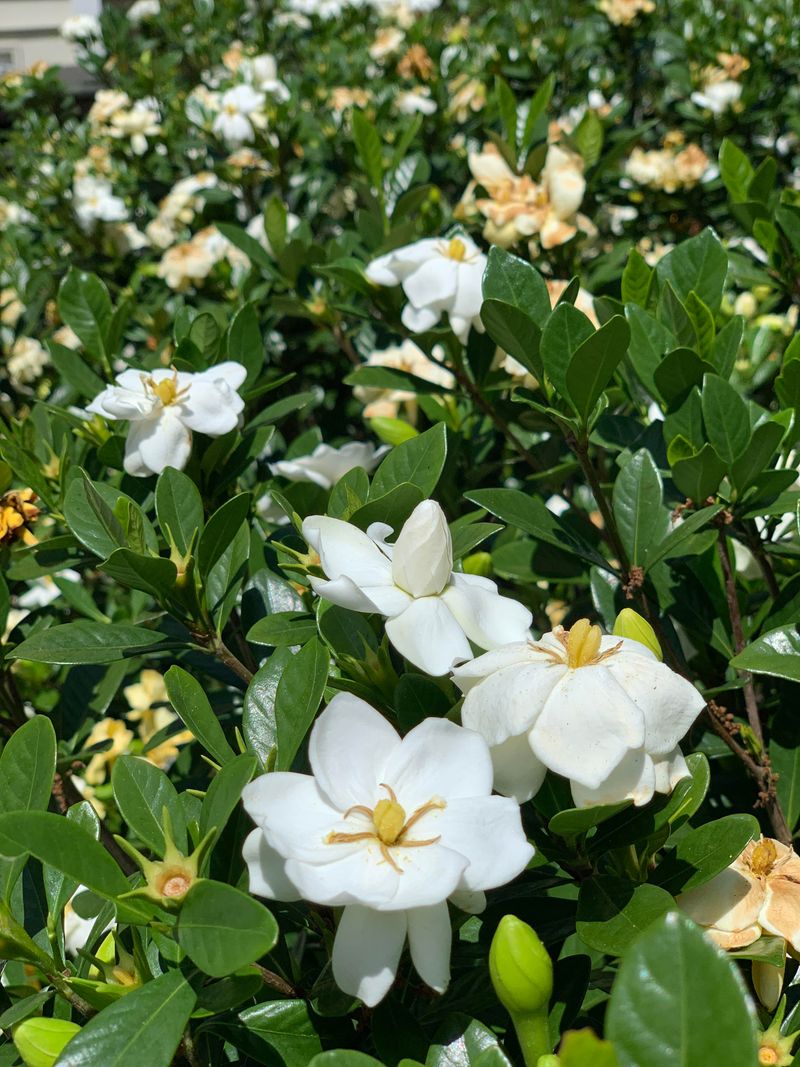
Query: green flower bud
392	431
41	1041
520	967
478	563
630	623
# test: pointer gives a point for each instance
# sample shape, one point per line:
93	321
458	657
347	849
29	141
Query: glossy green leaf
678	1002
418	462
145	1026
279	1031
27	766
700	263
224	792
612	912
726	419
592	365
563	334
642	519
703	852
221	929
776	653
297	699
189	699
141	792
515	281
258	718
220	530
698	476
86	642
152	574
283	628
84	304
179	507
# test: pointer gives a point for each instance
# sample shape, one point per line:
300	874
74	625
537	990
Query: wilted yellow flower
144	697
17	514
101	763
624	12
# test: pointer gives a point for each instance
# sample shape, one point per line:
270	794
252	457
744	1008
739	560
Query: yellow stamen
583	643
389	818
457	250
763	858
167	389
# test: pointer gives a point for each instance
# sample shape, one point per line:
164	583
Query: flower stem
533	1035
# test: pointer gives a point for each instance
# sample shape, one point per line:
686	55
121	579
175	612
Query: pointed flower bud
392	431
41	1041
520	967
422	560
630	624
479	563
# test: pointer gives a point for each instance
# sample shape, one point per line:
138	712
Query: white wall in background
29	31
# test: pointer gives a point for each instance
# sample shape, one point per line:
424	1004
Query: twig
492	413
763	774
581	450
189	1051
346	345
756	546
274	981
224	655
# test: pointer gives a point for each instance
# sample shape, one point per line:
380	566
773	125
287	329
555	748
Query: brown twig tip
635	581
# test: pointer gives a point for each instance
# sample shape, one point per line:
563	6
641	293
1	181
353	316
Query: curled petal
438	758
517	772
429	939
428	636
488	619
367	950
266	869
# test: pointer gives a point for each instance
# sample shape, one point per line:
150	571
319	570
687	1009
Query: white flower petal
438	759
346	550
229	371
508	702
344	592
428	636
429	939
669	702
422	558
488	619
473	903
433	284
348	873
632	779
294	814
488	831
586	726
418	320
211	408
157	443
266	869
348	749
367	950
669	770
517	772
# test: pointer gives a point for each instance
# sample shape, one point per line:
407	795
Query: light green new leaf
678	1002
222	929
144	1027
418	462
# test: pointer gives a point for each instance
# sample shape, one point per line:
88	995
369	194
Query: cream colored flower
147	698
185	264
624	12
11	307
666	168
467	96
67	337
27	360
101	764
387	40
759	893
388	403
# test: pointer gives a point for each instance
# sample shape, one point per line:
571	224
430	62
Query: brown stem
581	450
346	345
63	988
756	546
224	655
66	793
274	981
491	412
188	1050
763	774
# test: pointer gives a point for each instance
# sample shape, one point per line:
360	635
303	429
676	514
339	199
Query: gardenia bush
399	518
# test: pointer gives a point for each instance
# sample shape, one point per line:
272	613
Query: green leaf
74	370
612	912
677	541
700	263
86	642
571	822
224	792
514	281
507	106
588	136
726	346
220	530
151	574
703	323
593	364
221	929
392	378
705	851
678	373
462	1042
417	462
252	248
283	628
698	476
245	344
227	576
678	1002
189	699
90	519
205	334
641	518
85	306
27	766
297	699
726	419
64	845
344	1057
369	147
141	792
776	653
761	449
279	1028
650	340
581	1048
258	718
145	1026
515	332
736	170
564	332
637	280
179	507
530	515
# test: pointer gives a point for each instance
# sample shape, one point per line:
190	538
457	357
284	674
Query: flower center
389	826
457	250
767	1056
762	861
174	883
583	643
167	389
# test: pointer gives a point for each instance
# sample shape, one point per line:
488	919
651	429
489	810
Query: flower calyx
774	1048
168	880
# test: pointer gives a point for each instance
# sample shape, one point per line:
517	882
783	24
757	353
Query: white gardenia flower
80	27
326	465
601	711
390	829
413	101
143	9
262	72
164	408
437	276
94	201
433	612
240	113
718	96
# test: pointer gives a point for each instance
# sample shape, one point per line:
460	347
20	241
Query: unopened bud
41	1041
479	563
768	982
392	431
520	967
629	623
